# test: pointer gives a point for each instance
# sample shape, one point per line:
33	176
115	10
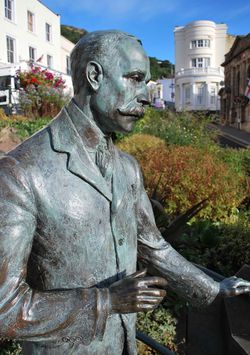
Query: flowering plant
38	76
41	92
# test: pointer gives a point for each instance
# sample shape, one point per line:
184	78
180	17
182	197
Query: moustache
132	109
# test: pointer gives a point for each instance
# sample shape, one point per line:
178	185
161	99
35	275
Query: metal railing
153	344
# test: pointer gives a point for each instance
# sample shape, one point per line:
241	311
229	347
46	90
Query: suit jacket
65	237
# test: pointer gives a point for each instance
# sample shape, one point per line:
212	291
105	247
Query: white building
155	93
31	32
168	89
200	47
161	92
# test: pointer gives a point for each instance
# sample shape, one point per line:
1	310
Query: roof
48	8
240	44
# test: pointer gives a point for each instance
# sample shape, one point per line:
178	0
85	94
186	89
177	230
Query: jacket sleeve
182	276
26	313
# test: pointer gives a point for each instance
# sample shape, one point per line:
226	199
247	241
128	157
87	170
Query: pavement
234	134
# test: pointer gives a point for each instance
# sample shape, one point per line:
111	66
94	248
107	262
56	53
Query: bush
178	128
223	248
186	176
25	126
9	347
159	324
237	159
42	93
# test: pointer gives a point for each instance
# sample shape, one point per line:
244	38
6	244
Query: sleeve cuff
103	311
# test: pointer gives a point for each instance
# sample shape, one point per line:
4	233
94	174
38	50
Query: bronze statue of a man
74	216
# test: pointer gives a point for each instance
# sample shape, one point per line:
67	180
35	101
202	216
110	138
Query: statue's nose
144	99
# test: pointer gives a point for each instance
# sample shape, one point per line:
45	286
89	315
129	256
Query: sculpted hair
100	46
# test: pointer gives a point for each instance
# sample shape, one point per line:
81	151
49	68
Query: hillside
159	68
72	33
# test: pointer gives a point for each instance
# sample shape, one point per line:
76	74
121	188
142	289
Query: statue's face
119	101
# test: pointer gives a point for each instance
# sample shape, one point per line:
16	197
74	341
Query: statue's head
112	69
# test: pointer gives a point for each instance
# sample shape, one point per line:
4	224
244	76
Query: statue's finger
138	307
137	274
241	290
152	292
241	283
139	299
146	306
152	281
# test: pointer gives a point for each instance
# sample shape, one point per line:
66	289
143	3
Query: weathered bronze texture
70	234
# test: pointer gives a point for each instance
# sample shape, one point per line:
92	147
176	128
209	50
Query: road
226	141
231	137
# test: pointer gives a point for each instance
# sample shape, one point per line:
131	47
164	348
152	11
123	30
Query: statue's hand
234	286
136	294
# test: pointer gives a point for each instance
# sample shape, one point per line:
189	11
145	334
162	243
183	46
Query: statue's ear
94	74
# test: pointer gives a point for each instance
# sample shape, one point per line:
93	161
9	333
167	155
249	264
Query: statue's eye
136	77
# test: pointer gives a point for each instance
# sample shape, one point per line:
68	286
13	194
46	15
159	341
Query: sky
152	21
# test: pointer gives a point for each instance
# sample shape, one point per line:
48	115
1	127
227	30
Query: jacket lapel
65	139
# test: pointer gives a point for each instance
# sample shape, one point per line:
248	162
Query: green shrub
223	247
178	128
25	126
9	347
26	129
159	324
237	159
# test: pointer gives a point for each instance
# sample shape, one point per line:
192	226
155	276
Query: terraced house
31	33
235	95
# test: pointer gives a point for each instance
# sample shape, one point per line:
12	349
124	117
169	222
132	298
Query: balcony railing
199	71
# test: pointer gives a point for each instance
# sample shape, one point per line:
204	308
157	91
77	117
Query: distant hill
72	33
159	68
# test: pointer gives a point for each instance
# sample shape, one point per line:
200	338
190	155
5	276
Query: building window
31	22
68	65
238	84
200	43
10	49
49	61
200	62
48	32
213	96
9	9
201	94
187	94
32	54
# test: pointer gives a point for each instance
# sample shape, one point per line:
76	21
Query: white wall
66	48
58	48
216	33
18	29
168	89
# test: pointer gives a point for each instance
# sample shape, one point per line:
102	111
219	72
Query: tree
160	68
72	33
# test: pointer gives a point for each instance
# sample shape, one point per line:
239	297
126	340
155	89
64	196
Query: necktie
104	157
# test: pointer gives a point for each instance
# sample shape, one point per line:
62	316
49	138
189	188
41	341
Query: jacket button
121	241
66	339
